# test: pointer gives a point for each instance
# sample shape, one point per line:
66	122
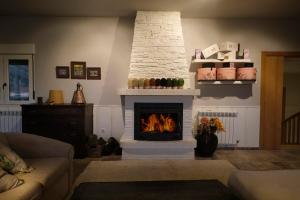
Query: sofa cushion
46	170
8	181
3	138
266	185
26	191
18	164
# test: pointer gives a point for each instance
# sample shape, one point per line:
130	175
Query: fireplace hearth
158	121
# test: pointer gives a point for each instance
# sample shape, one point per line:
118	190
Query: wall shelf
235	82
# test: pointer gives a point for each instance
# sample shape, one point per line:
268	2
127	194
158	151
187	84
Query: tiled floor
241	159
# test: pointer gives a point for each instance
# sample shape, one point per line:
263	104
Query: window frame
5	78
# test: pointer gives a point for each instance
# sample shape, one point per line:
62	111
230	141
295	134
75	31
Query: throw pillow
8	181
5	163
11	161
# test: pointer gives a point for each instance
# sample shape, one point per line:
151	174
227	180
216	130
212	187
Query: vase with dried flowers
207	141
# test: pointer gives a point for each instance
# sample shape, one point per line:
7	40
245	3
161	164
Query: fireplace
158	121
178	104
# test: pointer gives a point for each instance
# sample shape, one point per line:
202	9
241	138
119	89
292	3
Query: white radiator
229	138
10	121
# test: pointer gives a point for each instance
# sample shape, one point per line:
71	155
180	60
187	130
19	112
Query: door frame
264	98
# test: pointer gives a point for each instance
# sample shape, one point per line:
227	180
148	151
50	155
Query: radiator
229	138
10	121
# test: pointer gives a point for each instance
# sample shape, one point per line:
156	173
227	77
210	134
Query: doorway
275	131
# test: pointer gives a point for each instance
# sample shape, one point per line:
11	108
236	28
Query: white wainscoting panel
102	121
109	121
117	128
10	118
246	133
110	117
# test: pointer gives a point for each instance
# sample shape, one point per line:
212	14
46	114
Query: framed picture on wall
62	72
94	73
78	70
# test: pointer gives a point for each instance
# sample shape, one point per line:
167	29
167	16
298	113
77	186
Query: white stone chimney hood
158	47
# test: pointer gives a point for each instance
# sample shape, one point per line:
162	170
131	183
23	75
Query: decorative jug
78	97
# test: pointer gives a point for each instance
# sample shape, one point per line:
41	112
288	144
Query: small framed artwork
78	70
93	73
62	72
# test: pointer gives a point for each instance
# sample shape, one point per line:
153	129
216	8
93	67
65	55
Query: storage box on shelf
229	46
207	74
211	50
237	71
207	71
226	73
247	72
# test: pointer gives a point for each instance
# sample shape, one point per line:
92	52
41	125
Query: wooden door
271	100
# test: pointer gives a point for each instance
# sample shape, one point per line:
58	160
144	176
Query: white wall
256	35
101	42
106	42
292	82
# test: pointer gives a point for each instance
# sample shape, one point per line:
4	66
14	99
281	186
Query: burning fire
158	123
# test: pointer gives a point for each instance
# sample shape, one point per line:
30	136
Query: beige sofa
52	161
266	185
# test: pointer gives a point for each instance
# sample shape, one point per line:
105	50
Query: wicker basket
246	73
227	73
206	74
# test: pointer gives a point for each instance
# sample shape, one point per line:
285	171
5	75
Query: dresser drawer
52	111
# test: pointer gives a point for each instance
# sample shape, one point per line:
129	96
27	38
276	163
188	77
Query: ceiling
188	8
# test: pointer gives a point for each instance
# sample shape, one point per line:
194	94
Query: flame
158	123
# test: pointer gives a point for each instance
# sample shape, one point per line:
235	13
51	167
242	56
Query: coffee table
153	190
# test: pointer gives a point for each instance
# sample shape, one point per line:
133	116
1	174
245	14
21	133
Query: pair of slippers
111	146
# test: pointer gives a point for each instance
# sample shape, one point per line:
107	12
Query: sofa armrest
34	146
30	190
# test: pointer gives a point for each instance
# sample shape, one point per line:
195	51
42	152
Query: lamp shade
56	97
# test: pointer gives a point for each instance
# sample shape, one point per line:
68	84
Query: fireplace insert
158	121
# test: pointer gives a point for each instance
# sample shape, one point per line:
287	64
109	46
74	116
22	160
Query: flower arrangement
211	125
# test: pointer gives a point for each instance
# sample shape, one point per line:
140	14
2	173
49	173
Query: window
16	79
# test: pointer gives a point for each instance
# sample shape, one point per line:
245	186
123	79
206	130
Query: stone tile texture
158	46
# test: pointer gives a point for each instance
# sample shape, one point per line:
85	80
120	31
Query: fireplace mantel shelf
159	92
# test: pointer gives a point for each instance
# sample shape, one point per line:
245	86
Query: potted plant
207	141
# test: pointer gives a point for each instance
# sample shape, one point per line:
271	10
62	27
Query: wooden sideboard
71	123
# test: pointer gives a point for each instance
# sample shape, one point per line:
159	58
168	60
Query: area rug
155	170
153	190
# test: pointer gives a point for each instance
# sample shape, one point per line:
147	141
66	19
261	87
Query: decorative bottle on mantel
78	97
180	83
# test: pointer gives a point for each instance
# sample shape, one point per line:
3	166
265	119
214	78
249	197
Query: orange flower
210	125
217	122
